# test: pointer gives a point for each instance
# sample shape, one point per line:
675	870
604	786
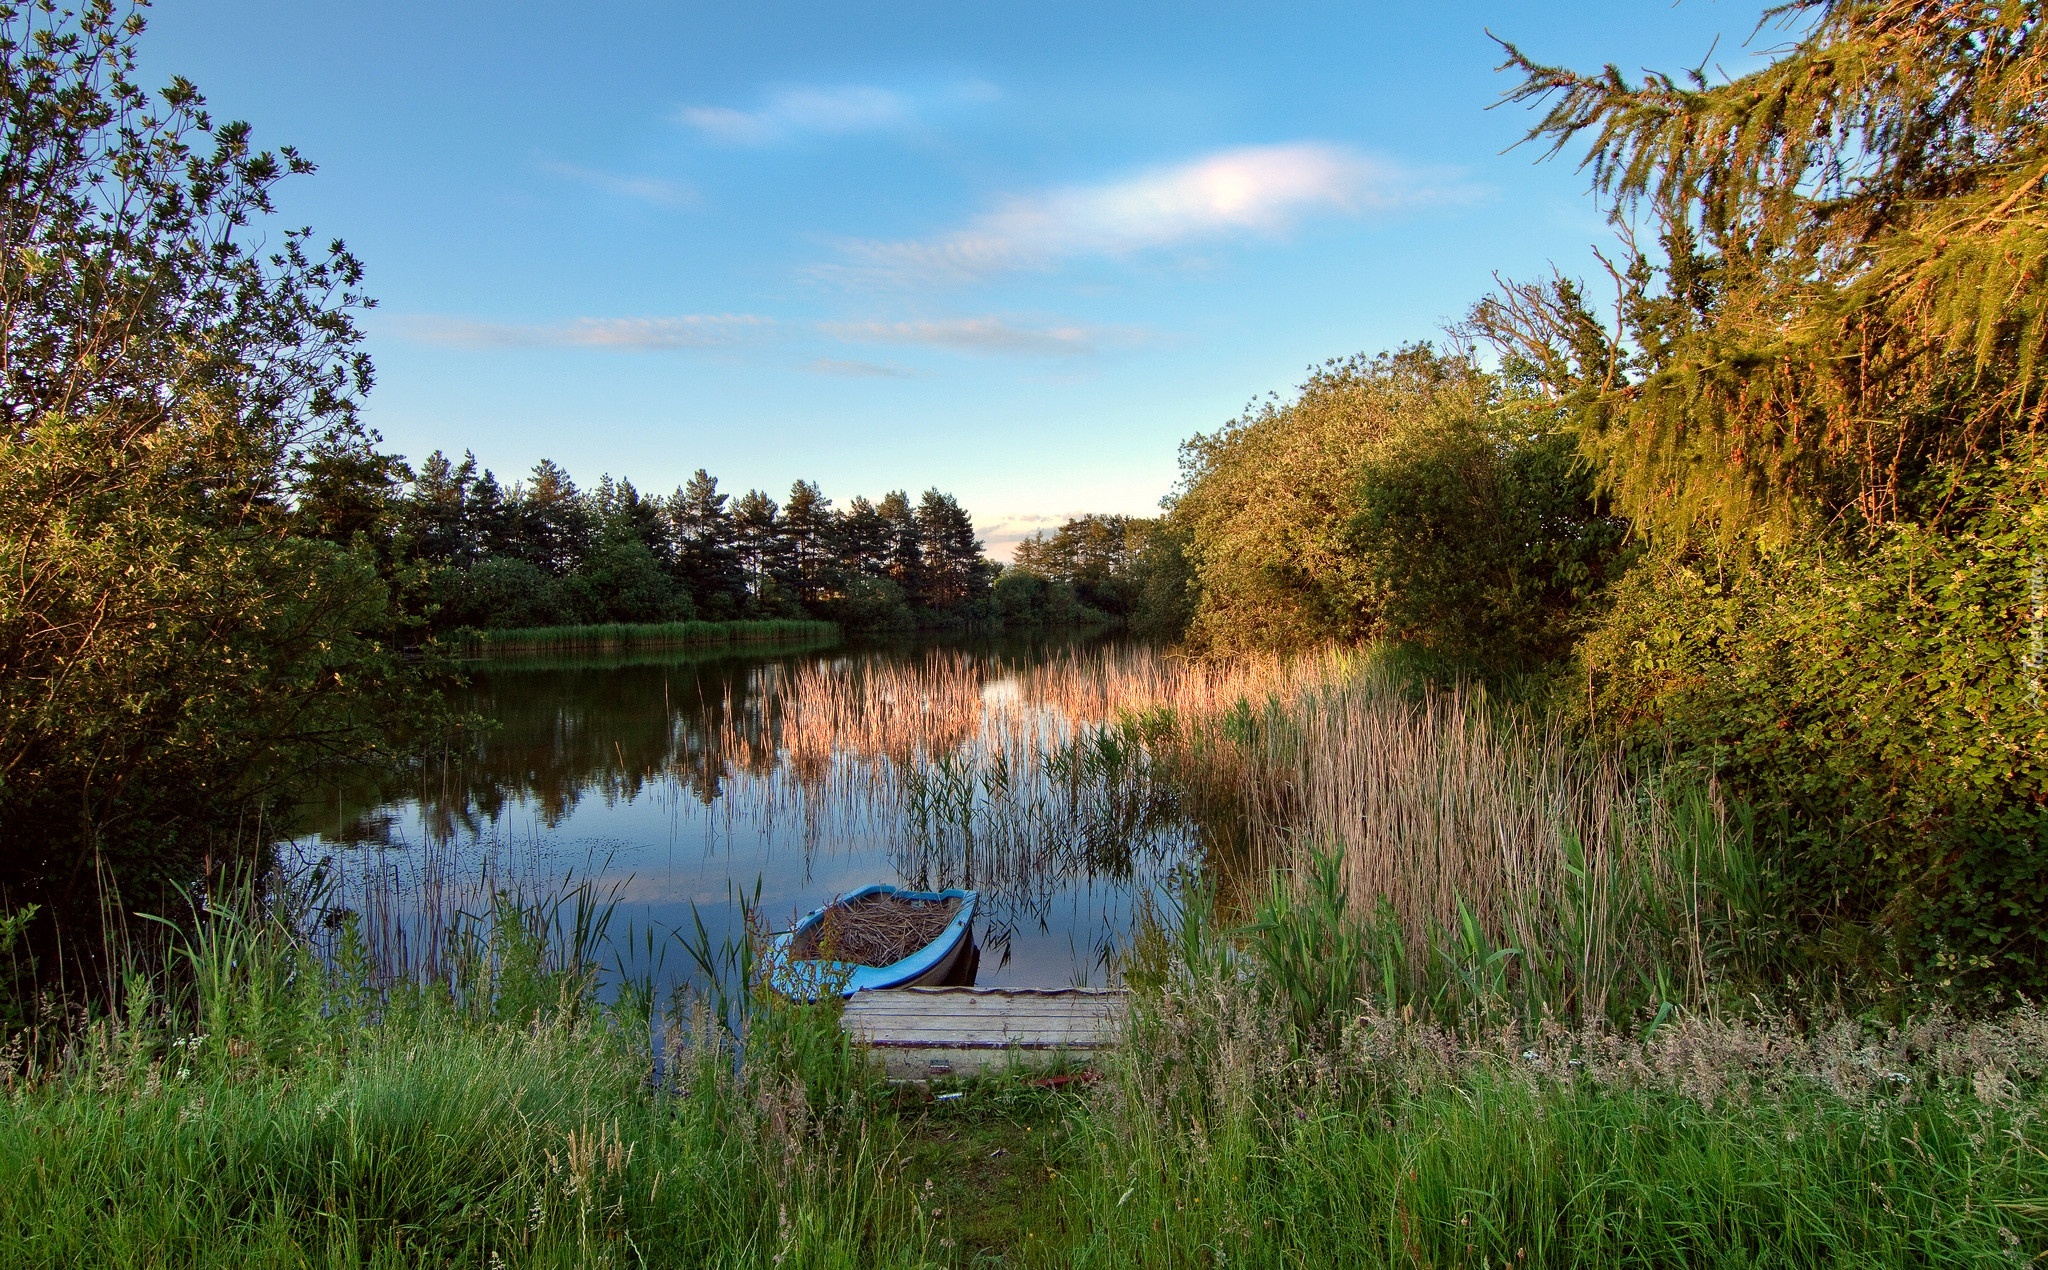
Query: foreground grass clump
500	1118
623	635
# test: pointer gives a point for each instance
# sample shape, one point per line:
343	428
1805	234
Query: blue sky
1017	251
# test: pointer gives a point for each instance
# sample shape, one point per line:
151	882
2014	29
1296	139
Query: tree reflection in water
1010	769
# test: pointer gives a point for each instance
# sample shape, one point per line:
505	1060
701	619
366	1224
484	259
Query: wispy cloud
995	335
797	110
1258	190
859	369
645	189
637	335
987	335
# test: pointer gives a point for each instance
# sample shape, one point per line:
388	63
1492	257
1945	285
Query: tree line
544	552
1097	570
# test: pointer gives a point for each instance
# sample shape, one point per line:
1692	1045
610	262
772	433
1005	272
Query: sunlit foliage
173	653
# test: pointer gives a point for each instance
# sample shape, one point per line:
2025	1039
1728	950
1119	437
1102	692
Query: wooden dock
919	1033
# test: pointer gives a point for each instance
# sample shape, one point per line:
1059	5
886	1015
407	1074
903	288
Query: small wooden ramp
919	1033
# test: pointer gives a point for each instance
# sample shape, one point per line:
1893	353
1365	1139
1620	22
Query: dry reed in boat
874	930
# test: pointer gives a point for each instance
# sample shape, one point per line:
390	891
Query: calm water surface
624	772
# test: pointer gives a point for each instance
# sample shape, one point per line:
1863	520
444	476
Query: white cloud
797	110
702	330
860	369
994	335
1257	190
645	189
854	108
987	335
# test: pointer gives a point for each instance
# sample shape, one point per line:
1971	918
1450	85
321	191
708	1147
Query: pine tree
551	519
862	538
951	554
707	561
438	510
488	522
623	514
757	532
904	546
807	525
1833	274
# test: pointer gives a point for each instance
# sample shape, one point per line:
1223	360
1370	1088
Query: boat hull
932	965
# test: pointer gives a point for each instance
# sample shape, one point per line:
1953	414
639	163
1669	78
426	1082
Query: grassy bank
618	636
290	1109
293	1110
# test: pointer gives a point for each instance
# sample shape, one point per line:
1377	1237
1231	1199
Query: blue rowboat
804	979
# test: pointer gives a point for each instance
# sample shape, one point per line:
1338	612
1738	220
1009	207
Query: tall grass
286	1108
1221	1137
616	636
1566	877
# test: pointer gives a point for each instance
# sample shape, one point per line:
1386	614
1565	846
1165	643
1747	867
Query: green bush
1486	541
1267	501
176	658
1412	496
500	593
872	604
622	581
1876	701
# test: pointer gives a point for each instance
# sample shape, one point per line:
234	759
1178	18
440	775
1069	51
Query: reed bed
1475	843
1492	860
1594	882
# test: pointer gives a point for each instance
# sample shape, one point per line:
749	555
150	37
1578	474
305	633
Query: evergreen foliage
545	553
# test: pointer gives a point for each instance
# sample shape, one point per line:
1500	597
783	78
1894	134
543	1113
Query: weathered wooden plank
921	1032
894	1023
1049	1038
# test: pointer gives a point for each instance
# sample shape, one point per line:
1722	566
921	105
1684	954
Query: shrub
1486	540
501	593
1876	701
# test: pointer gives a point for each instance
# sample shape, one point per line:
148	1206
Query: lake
674	783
